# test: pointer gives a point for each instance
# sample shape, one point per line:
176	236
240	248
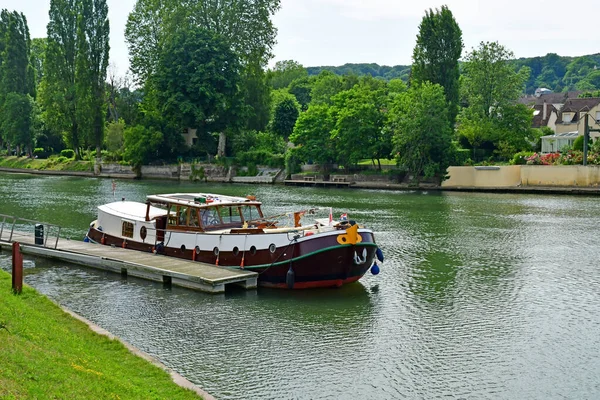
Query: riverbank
571	180
47	353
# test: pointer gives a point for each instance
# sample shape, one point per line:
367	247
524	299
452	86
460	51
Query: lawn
47	354
54	163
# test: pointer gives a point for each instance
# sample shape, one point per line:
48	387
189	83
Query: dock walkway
169	270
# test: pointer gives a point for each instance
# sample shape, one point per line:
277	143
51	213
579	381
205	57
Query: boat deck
169	270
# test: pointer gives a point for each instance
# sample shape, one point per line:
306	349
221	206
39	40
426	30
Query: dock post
17	268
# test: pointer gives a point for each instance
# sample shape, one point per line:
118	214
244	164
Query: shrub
39	152
260	157
578	144
68	153
520	158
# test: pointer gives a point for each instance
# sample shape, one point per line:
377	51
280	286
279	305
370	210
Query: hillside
560	74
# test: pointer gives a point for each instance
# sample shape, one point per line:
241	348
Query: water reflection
481	296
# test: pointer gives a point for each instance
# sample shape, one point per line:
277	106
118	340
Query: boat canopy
131	210
201	199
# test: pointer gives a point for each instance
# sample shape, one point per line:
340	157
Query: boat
232	231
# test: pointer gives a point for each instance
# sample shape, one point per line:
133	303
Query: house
569	123
545	115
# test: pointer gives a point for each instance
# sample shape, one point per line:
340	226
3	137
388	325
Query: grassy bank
54	163
45	353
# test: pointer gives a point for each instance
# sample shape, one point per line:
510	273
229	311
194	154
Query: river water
482	296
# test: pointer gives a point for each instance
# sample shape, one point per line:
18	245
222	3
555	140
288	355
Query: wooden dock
169	270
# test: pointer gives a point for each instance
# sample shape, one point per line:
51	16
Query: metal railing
14	229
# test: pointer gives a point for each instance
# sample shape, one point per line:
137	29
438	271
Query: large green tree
72	90
491	86
246	24
17	80
286	110
312	136
436	54
58	88
92	62
358	115
422	134
197	83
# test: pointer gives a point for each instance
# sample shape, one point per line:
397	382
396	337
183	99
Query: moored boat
232	231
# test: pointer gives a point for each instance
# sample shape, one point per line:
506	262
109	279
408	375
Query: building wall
506	176
523	175
578	125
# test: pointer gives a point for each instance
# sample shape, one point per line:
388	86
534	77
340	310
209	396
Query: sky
335	32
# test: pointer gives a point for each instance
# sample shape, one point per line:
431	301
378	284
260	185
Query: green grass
47	354
54	163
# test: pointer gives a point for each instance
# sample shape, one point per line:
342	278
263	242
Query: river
483	296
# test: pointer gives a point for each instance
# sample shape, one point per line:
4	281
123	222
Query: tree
246	24
359	119
197	83
489	81
436	54
491	87
38	54
141	145
18	120
92	62
17	80
422	134
286	110
285	72
58	90
312	135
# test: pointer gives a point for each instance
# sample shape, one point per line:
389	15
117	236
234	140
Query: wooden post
17	268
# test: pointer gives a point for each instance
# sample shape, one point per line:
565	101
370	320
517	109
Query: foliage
374	70
91	65
312	135
114	135
421	131
40	153
436	54
260	157
196	82
490	89
358	124
67	153
141	144
489	81
301	89
286	110
578	143
245	24
521	157
284	73
17	119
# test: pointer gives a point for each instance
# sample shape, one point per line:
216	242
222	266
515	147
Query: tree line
200	67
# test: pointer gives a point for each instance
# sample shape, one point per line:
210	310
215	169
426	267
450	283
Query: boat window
193	217
127	229
182	215
230	214
209	217
250	213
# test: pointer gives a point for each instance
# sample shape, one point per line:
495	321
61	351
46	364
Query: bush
521	157
68	153
578	144
260	157
39	152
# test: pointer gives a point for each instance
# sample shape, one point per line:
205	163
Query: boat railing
15	229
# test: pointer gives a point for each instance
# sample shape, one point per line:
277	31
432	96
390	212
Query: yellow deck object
350	237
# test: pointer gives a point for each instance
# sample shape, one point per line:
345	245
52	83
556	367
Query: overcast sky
335	32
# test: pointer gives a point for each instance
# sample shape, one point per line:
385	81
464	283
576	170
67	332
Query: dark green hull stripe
308	255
